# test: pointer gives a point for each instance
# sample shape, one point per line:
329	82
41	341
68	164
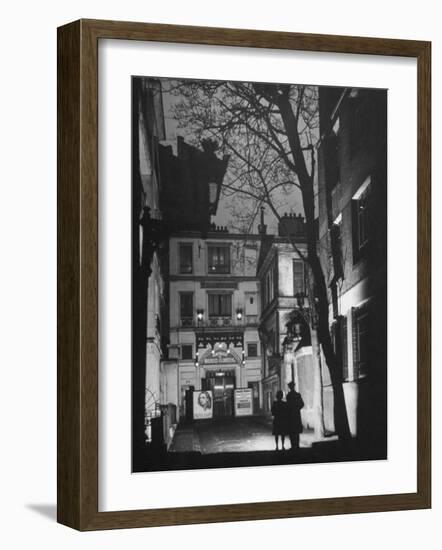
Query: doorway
222	385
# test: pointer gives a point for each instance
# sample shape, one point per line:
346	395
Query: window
331	157
186	305
336	247
360	342
187	351
220	305
360	221
252	350
339	339
271	343
219	259
269	288
186	258
298	277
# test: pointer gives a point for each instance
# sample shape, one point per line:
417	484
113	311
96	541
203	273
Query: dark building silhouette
191	185
352	189
169	193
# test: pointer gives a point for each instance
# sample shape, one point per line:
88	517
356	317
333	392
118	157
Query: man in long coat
294	405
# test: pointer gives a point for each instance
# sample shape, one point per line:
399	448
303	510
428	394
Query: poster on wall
202	404
243	402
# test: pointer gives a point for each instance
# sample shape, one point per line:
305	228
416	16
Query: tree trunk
318	409
319	305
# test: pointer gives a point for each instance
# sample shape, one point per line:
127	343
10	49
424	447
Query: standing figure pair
287	417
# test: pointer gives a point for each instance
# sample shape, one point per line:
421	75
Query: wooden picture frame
78	274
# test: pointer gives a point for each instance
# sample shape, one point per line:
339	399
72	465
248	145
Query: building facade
353	241
171	192
148	298
214	309
287	353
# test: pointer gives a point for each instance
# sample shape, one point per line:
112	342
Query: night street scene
259	274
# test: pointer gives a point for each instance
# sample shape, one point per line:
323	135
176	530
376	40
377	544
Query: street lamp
200	314
296	332
300	299
239	314
291	341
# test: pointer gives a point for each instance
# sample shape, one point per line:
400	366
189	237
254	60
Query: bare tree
270	132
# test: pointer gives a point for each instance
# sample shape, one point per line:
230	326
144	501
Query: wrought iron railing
219	321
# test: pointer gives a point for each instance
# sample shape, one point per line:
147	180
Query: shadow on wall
372	402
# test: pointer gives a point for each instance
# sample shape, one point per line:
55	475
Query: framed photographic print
243	275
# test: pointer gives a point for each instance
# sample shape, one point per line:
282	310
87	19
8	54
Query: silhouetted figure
294	405
279	412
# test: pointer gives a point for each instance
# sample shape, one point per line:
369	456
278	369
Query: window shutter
298	276
212	310
355	231
344	348
354	331
333	335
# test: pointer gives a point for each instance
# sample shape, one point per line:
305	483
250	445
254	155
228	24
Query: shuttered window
360	342
338	332
344	349
360	210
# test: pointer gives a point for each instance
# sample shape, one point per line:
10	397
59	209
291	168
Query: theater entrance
222	385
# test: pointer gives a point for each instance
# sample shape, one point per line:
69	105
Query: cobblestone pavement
247	441
229	435
234	435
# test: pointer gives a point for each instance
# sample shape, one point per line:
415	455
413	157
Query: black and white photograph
259	274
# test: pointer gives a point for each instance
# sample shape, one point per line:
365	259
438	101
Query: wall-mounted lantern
300	299
239	314
200	314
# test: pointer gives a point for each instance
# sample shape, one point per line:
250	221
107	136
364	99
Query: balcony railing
219	269
219	321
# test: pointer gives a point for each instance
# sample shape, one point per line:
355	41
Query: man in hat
294	405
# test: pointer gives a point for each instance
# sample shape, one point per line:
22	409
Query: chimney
262	228
292	225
